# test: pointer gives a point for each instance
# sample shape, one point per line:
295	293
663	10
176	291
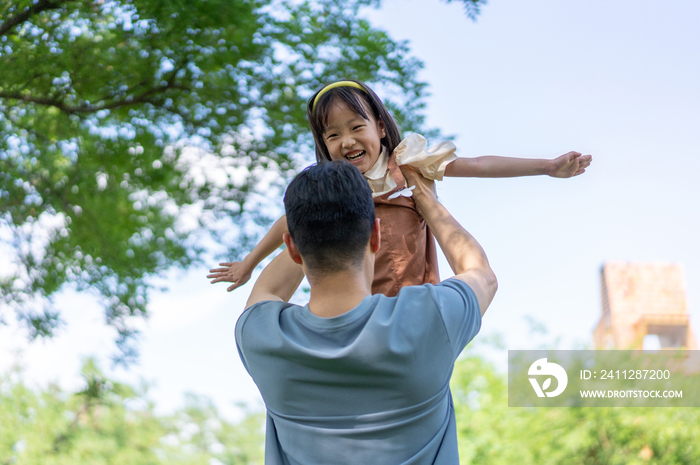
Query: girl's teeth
356	156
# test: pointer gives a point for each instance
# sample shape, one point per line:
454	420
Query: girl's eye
357	127
330	136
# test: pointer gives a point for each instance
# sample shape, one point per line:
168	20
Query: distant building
643	299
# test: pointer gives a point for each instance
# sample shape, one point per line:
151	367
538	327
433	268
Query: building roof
640	299
643	288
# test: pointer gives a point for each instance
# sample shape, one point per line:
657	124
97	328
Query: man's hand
570	164
423	186
237	273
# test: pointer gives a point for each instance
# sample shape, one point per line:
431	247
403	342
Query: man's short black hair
330	215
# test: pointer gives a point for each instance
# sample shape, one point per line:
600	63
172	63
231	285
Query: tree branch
41	5
54	102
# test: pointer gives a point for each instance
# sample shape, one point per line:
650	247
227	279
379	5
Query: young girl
349	122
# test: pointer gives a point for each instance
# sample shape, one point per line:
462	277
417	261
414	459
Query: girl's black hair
356	100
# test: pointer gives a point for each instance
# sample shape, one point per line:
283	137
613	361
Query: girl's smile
348	136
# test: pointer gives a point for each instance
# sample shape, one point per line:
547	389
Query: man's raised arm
464	254
278	281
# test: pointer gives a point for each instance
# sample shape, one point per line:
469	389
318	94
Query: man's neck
338	293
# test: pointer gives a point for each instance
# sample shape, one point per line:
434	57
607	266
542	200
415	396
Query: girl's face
348	136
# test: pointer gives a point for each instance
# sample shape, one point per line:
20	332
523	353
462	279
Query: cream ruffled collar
380	167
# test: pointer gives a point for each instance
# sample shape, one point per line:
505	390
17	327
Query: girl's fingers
218	270
230	288
218	276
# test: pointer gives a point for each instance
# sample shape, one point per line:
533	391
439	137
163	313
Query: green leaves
472	8
110	422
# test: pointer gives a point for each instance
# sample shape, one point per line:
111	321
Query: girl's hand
237	273
569	164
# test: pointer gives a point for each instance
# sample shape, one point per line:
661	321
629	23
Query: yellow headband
333	86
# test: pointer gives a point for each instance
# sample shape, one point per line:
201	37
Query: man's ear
293	252
376	238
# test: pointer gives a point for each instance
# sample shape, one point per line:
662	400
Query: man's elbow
488	279
492	282
489	286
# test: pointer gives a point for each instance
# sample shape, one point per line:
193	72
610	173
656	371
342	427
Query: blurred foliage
108	422
491	432
137	134
472	8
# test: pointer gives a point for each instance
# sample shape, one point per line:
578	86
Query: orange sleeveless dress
407	254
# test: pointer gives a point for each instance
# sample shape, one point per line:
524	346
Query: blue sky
619	80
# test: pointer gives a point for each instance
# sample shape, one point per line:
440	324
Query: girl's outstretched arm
565	166
239	273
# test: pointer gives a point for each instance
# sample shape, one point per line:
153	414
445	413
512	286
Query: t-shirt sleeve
240	326
460	312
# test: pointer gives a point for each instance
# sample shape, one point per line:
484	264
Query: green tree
135	132
110	422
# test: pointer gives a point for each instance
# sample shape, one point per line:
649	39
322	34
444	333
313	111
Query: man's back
368	386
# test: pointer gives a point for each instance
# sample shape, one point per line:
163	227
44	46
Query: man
355	378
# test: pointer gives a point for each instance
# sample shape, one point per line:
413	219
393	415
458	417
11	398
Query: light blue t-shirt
370	386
